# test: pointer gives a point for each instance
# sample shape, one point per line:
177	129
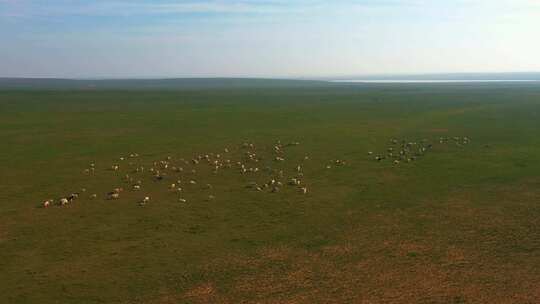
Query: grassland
461	225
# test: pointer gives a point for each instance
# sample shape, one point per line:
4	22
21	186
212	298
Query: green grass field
458	225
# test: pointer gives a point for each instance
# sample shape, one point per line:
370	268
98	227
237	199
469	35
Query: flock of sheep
408	151
269	169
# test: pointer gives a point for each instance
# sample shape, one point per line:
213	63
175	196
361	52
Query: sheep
118	190
73	196
303	190
93	196
115	167
211	197
294	182
113	195
136	187
144	201
192	182
46	203
64	201
182	200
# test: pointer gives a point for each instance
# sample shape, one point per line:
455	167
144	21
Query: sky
266	38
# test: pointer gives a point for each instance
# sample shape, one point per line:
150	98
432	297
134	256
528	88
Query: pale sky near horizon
267	38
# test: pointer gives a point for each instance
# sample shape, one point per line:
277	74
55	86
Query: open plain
278	193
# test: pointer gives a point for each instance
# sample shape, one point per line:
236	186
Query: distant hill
447	76
177	83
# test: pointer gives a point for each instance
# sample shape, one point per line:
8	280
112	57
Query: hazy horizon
266	39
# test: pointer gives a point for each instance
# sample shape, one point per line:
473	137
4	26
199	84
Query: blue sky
267	38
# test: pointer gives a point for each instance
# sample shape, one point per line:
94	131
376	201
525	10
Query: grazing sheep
113	195
182	200
46	204
136	187
118	190
192	182
93	196
64	201
73	196
294	182
303	190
